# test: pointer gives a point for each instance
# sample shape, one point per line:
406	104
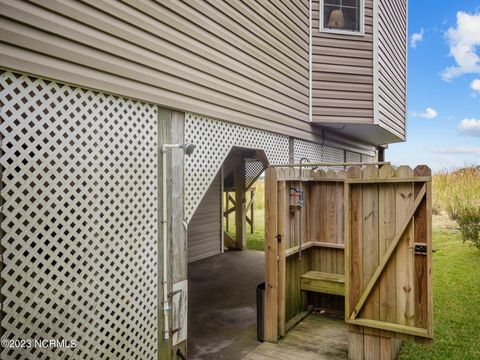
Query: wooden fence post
240	209
271	254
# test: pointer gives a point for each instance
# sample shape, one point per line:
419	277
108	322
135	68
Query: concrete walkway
315	338
222	305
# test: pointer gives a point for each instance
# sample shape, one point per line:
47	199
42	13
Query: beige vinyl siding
227	59
392	65
342	73
205	227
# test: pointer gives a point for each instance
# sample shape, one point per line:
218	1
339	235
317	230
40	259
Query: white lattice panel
253	169
316	153
367	158
80	221
352	157
214	139
307	149
333	155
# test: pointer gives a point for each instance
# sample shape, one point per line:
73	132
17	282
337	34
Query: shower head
188	148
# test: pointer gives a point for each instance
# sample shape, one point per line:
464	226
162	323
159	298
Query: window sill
342	32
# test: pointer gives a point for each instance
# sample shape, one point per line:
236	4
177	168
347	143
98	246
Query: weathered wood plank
381	325
271	253
406	179
171	130
322	282
371	309
314	338
355	253
422	228
281	225
386	233
355	346
405	254
353	256
309	244
296	319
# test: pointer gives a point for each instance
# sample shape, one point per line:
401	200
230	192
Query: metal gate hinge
172	294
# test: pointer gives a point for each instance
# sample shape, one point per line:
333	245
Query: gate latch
421	249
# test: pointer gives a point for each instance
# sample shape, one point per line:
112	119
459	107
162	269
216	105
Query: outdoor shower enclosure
364	233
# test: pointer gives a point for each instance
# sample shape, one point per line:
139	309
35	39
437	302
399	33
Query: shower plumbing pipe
188	149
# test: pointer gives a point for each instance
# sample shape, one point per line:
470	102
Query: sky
443	116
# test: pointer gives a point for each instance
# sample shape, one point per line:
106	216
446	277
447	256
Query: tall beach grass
457	192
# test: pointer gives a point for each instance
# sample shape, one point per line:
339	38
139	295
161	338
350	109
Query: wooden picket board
386	233
423	264
405	289
370	250
281	230
353	254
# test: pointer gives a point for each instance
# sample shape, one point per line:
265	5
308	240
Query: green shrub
468	219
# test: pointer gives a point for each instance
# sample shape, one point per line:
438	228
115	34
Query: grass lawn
255	240
456	301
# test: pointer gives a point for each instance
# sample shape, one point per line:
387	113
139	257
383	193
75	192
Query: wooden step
322	282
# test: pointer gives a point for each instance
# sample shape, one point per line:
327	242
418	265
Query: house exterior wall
360	80
205	227
342	72
247	63
391	55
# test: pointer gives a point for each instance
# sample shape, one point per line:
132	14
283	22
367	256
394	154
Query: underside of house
113	224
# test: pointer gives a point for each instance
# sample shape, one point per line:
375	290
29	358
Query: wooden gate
364	233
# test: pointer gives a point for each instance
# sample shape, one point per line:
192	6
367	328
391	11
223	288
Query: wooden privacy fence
363	233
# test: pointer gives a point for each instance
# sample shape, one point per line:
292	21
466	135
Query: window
341	16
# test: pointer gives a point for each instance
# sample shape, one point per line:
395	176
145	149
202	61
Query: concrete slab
222	305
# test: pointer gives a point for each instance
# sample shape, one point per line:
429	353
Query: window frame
361	15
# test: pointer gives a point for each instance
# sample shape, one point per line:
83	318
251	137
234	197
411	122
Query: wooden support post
252	211
281	230
423	264
171	130
227	205
353	258
240	210
271	255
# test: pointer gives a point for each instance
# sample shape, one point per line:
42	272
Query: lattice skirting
214	140
79	250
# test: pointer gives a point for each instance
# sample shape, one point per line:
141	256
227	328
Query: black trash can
260	312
